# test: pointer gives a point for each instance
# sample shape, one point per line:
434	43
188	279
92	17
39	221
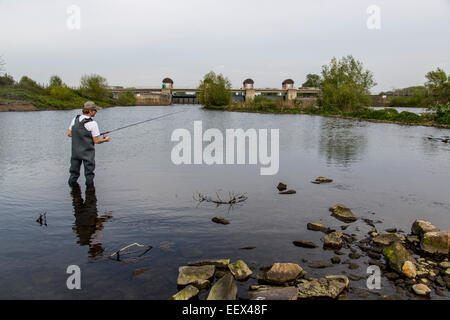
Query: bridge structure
168	94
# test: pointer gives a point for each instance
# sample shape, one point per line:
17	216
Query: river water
384	172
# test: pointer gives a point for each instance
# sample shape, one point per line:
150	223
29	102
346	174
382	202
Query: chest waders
83	150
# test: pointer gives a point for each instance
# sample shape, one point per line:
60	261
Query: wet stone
319	264
220	220
304	244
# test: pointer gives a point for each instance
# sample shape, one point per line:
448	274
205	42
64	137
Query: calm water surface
381	171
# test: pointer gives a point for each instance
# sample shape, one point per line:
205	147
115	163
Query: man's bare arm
98	140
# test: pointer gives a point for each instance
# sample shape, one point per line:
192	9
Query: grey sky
138	43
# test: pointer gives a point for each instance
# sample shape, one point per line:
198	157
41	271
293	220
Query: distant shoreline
296	111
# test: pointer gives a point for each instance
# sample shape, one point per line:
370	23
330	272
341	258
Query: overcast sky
138	43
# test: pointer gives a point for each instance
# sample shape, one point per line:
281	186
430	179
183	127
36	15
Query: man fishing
85	134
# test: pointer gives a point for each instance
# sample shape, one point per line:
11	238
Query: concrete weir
167	94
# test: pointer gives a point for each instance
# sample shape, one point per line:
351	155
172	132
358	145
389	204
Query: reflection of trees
88	224
341	141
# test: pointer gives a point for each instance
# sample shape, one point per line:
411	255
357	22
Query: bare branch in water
233	198
118	253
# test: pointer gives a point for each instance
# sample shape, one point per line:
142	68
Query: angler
85	134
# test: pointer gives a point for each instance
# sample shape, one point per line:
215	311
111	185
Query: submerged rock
220	220
328	287
420	227
187	293
224	289
287	293
386	239
280	273
218	263
317	226
189	275
436	242
305	244
320	180
319	264
240	270
342	213
288	192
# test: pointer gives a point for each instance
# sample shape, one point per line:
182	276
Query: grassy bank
388	115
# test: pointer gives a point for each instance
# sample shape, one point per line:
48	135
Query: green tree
346	85
215	90
30	84
439	85
312	80
6	80
94	86
55	81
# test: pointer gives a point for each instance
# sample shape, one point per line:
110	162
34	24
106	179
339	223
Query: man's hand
98	140
69	133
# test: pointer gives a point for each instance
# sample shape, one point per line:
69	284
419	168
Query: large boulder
191	275
280	273
420	227
343	213
240	270
328	287
224	289
187	293
396	255
286	293
436	242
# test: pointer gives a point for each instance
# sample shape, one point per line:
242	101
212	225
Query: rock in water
220	220
281	186
396	255
305	244
328	287
224	289
219	263
342	213
420	227
421	289
287	293
281	273
288	192
333	240
436	242
320	180
187	293
240	270
317	226
409	269
386	239
190	275
319	264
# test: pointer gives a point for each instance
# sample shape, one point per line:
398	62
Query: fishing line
140	122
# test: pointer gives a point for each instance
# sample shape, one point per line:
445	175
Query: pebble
421	289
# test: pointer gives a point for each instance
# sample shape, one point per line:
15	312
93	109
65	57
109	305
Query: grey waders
83	150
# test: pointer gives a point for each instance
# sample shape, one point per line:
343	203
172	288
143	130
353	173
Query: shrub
56	81
6	80
127	99
61	93
29	84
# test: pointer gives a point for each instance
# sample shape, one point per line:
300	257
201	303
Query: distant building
248	84
288	84
167	83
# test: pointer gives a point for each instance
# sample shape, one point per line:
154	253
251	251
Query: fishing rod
140	122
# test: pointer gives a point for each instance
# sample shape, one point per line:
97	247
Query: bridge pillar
250	95
167	92
291	94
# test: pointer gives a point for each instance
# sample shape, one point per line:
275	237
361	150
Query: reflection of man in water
87	225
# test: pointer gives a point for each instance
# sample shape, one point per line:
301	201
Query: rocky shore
416	264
